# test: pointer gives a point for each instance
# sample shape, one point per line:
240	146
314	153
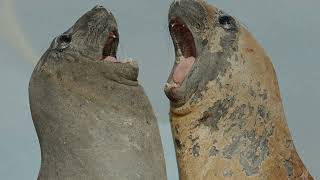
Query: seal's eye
227	22
65	38
62	42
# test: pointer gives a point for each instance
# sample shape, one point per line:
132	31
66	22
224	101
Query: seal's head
204	38
89	48
209	45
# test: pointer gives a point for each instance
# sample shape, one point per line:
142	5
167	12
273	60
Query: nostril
98	7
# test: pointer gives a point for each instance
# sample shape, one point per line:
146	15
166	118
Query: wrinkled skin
92	118
226	115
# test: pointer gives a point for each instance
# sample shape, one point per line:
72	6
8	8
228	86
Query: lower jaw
179	105
173	91
180	72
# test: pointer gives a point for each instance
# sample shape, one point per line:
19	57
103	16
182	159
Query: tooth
179	52
130	61
178	60
114	36
172	25
171	85
168	86
127	62
177	1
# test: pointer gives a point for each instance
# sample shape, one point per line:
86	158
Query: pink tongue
182	69
111	59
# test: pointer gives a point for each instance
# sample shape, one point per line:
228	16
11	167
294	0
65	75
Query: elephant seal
226	112
92	118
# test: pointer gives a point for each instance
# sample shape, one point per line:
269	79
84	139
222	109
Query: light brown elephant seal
93	119
226	112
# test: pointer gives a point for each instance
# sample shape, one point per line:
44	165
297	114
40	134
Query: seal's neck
237	128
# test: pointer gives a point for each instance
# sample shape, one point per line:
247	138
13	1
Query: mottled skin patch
178	143
289	167
254	153
247	140
213	151
196	150
92	118
215	113
227	173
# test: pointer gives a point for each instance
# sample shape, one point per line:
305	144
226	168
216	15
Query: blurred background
288	29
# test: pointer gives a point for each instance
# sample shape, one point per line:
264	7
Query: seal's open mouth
185	48
109	52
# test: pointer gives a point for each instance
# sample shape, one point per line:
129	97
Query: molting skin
226	111
92	118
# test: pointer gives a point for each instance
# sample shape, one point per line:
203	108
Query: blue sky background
288	29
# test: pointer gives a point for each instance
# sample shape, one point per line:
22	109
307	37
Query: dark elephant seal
226	114
93	119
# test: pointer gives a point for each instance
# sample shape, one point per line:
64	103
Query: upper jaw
99	27
108	39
